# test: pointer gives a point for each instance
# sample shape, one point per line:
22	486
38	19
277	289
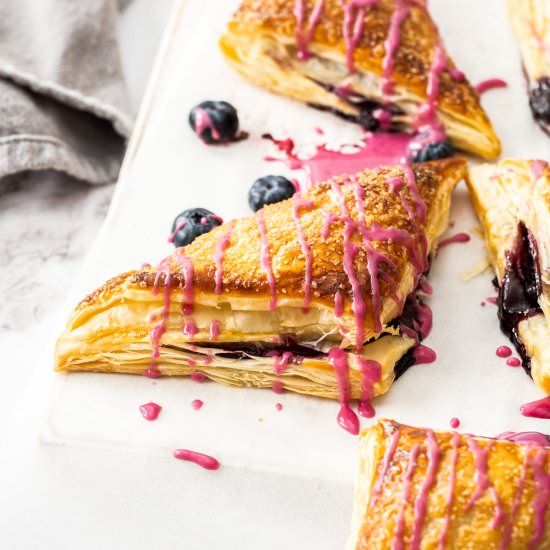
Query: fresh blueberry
269	190
434	151
540	100
368	121
214	121
191	223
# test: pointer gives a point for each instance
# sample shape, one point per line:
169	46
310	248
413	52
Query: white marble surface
48	221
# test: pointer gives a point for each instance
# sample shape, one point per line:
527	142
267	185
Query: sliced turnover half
512	199
316	294
530	21
379	63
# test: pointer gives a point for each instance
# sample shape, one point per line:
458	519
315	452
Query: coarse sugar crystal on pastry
379	63
314	294
530	21
512	200
418	488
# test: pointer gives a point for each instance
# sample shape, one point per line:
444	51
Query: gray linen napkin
63	101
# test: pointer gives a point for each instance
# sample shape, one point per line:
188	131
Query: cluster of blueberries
266	190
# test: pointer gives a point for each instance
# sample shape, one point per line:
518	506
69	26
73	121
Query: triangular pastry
512	199
378	62
530	20
315	294
418	488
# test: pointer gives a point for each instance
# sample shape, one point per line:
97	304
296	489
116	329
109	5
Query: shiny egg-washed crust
245	280
260	44
373	524
530	20
505	194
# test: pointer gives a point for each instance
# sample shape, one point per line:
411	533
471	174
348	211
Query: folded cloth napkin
63	101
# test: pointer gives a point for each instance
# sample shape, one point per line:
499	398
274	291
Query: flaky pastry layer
110	330
424	489
260	43
530	20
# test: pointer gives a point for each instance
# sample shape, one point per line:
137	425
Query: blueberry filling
409	316
434	151
520	289
364	105
408	321
539	100
365	118
404	364
368	117
242	350
246	350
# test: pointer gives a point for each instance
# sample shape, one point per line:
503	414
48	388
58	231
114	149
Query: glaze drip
542	495
391	45
354	20
280	361
483	484
537	409
347	419
150	411
526	438
221	247
299	204
538	167
407	487
371	372
159	329
490	84
204	122
350	252
421	502
265	259
509	528
305	26
188	289
204	461
455	443
386	461
458	238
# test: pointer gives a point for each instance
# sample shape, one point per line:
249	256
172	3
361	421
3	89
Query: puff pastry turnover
512	199
314	294
530	20
360	60
420	489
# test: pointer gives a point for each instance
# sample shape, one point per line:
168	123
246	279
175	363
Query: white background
83	470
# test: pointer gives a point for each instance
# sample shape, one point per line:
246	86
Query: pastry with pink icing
530	20
380	63
315	294
419	488
512	199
